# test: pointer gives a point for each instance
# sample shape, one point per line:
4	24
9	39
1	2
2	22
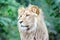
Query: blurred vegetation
8	17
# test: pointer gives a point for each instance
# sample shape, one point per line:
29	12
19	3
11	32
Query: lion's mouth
28	28
24	26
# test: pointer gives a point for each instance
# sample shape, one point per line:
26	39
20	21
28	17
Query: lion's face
27	19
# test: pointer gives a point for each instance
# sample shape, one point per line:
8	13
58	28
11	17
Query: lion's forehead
24	17
27	12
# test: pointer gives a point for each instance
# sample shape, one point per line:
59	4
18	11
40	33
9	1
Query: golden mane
40	32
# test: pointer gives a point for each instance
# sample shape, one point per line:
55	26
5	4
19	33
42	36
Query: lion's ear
20	10
34	9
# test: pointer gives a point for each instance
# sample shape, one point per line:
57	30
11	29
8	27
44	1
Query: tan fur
33	17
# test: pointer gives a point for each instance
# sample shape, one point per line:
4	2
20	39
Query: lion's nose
21	21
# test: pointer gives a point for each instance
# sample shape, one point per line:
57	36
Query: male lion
31	23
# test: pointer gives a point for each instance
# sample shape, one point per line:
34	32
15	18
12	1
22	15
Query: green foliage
8	20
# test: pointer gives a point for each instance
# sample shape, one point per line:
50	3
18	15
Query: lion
31	23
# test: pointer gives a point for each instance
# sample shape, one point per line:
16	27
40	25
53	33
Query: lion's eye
27	15
21	16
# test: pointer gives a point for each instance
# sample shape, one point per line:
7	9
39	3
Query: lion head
27	18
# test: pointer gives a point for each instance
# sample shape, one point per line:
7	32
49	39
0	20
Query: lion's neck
27	36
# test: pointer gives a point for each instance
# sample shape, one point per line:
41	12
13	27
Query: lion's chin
23	28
